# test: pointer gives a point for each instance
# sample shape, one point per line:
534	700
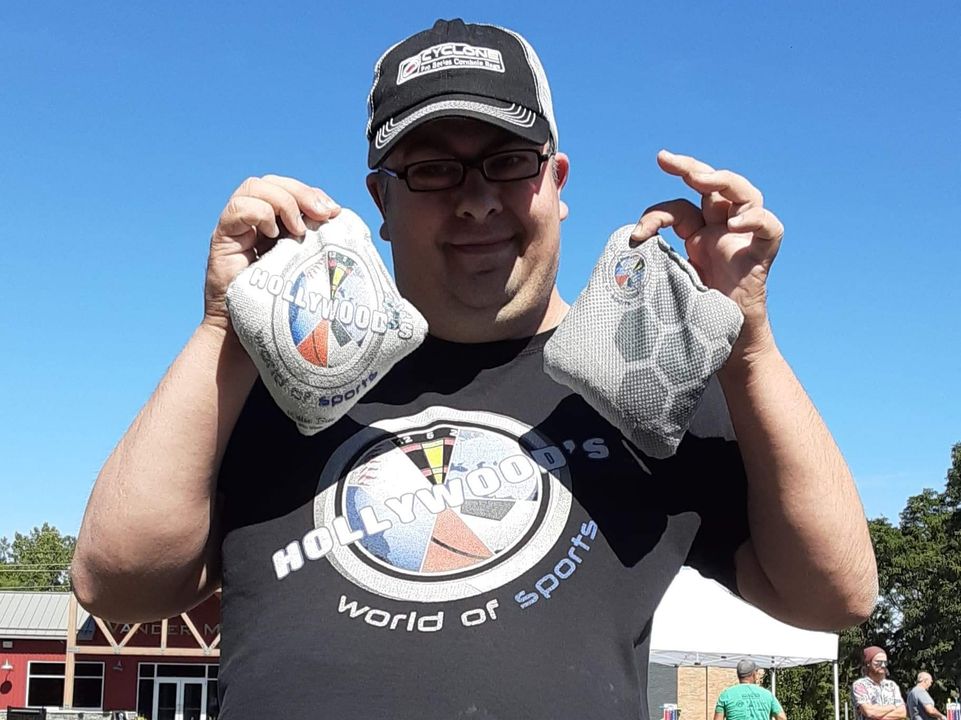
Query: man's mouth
480	246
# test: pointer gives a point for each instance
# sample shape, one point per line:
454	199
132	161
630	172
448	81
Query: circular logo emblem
330	316
628	273
444	505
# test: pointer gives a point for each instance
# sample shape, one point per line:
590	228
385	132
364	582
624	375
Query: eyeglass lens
500	167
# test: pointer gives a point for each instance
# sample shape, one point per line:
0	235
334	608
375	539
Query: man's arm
898	710
776	710
809	560
882	712
718	715
933	711
895	711
149	544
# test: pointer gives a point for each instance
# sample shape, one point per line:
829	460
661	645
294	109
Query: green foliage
805	695
918	615
38	561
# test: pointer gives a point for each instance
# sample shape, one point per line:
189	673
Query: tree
38	561
918	615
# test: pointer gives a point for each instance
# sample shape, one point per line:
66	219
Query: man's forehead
457	134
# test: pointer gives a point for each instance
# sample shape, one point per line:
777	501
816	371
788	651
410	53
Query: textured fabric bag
322	320
642	340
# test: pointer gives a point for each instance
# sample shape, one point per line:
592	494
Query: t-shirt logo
443	505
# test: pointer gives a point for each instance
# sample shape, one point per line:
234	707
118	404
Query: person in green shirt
747	700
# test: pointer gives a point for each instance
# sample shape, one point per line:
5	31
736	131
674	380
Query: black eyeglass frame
465	165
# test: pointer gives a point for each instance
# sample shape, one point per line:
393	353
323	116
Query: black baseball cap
458	69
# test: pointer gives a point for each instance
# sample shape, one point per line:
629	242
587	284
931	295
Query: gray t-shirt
918	697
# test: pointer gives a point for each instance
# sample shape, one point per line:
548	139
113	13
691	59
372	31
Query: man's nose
478	197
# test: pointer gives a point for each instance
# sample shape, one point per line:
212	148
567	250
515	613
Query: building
164	670
167	670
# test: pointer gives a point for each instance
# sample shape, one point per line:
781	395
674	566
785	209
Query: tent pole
774	681
837	703
705	692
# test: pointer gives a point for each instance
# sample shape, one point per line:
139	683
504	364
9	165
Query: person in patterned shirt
874	696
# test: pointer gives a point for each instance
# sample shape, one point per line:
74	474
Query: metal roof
36	614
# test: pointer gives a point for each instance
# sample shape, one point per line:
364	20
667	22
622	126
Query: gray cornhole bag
322	320
642	341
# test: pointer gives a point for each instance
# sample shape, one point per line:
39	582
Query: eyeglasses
879	663
433	175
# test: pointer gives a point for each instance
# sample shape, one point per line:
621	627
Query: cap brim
519	120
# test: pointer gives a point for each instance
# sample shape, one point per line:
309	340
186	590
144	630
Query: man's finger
762	222
283	202
681	165
313	201
244	212
681	214
728	185
710	183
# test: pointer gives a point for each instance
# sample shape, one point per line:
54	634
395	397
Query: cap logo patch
449	55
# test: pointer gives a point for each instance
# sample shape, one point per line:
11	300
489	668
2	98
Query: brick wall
691	699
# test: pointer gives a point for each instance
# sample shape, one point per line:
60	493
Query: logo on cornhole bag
628	273
332	318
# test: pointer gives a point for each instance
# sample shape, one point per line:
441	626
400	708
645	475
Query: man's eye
510	165
433	170
508	161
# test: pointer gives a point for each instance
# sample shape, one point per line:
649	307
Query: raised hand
248	227
731	239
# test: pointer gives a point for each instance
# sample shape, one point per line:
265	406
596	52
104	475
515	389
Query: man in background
747	700
874	696
920	704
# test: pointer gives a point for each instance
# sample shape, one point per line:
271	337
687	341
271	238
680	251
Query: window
45	685
150	673
213	701
181	671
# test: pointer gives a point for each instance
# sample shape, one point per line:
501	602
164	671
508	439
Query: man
472	539
747	700
920	704
874	696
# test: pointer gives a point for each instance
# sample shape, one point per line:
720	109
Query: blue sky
123	130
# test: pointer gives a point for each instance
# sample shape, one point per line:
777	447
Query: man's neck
489	326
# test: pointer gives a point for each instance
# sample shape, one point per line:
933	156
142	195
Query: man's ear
375	187
378	191
562	171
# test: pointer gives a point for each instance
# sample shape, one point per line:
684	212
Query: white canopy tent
700	622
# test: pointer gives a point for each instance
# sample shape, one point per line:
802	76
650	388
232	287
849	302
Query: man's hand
248	228
731	240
